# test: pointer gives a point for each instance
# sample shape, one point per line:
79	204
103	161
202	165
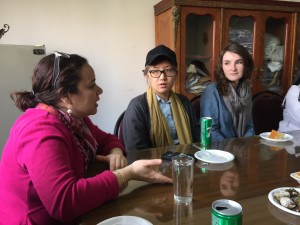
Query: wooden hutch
197	30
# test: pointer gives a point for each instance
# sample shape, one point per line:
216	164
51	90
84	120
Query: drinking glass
183	175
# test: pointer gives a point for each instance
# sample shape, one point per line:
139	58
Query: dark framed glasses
56	70
167	72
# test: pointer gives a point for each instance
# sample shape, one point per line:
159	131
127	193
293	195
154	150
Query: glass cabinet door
277	71
241	31
274	44
201	48
264	35
296	65
241	26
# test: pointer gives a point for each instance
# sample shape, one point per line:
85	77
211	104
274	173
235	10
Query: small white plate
297	178
276	144
215	167
266	135
125	220
273	201
214	156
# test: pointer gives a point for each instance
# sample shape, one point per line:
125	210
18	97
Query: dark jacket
136	123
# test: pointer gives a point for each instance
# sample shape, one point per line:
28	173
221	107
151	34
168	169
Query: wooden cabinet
197	31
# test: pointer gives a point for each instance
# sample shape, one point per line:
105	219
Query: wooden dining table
259	166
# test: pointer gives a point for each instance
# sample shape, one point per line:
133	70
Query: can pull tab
221	208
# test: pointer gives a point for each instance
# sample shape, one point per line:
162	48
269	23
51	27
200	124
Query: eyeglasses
166	72
56	70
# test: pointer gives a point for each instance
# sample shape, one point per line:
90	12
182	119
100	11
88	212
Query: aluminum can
206	130
226	212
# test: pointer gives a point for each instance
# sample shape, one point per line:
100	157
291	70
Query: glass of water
183	176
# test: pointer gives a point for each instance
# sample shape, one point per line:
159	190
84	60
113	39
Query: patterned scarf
160	133
81	133
239	104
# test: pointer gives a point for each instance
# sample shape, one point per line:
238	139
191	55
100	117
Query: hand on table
115	159
142	170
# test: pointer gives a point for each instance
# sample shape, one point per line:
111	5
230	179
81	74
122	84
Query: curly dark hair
42	87
222	83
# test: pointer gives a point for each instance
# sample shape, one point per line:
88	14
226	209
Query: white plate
284	217
266	135
297	178
214	156
276	144
273	201
125	220
215	167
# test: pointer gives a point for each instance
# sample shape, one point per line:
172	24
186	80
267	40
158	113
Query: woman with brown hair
52	143
228	101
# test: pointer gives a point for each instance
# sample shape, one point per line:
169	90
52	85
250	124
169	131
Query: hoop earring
69	111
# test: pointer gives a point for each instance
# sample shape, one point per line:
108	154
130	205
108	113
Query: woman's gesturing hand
143	170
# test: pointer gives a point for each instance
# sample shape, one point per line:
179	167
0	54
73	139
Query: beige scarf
160	133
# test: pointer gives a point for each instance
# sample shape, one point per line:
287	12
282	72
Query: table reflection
257	168
182	212
230	182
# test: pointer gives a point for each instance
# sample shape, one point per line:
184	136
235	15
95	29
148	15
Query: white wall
114	35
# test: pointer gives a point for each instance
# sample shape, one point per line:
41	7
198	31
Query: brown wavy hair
222	83
42	89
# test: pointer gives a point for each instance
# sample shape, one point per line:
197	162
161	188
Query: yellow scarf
160	133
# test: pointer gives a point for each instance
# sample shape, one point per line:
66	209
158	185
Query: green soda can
226	212
206	130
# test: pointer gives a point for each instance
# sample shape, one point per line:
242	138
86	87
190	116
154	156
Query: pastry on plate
276	135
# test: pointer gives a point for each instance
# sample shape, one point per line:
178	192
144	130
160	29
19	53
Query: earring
69	111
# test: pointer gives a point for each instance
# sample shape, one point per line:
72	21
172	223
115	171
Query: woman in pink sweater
51	144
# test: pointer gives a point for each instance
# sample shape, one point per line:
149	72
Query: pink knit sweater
42	170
